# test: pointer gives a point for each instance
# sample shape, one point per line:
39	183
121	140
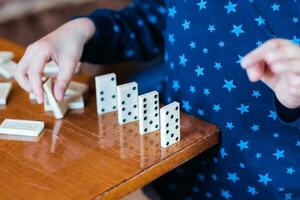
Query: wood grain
86	156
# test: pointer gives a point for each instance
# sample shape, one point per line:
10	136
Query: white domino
7	69
59	108
75	103
21	127
51	68
149	112
127	102
169	124
76	88
106	93
6	56
5	89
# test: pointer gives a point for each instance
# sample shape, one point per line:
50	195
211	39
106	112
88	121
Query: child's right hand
64	46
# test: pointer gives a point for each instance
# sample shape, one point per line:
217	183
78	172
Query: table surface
86	156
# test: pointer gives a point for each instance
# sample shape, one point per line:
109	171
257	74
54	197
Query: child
205	42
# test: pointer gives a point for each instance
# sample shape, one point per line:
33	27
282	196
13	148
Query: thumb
64	77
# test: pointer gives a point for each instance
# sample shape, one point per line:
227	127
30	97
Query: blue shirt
203	43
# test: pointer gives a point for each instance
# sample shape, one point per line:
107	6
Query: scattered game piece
5	89
106	93
76	88
170	124
149	112
6	56
7	69
21	127
127	102
51	68
75	103
59	108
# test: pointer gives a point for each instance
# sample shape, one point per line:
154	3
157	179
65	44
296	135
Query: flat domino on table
149	112
127	102
5	88
170	124
7	70
6	56
76	88
106	93
21	127
59	108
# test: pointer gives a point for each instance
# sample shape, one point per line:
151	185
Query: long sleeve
287	116
134	33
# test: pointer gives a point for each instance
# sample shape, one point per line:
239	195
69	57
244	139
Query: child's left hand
277	64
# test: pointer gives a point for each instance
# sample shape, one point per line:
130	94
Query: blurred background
25	21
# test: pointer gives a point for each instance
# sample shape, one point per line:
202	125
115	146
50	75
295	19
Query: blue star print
199	71
172	12
290	170
260	21
186	25
230	7
243	108
186	105
229	125
252	190
279	154
275	7
176	85
243	145
232	177
264	179
202	4
216	107
237	30
182	60
229	85
226	194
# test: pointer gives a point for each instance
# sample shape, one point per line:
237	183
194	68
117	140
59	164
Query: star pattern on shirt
205	75
237	30
230	7
265	179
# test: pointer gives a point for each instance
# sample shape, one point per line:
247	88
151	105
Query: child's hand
277	64
64	46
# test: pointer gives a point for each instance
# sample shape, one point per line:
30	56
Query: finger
293	81
255	73
289	52
289	66
64	77
35	73
269	79
22	70
258	54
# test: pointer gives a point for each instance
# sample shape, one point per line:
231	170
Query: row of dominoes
132	107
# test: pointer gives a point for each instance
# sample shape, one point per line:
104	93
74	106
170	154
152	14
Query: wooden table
86	156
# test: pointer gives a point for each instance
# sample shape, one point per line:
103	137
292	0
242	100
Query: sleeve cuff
287	116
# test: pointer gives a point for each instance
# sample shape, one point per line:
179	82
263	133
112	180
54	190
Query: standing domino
5	89
149	112
59	108
21	127
170	124
106	93
127	102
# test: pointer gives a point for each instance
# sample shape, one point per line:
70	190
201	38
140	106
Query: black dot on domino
144	100
177	138
101	92
135	117
177	120
145	130
167	125
145	105
123	109
129	113
113	96
172	116
167	112
134	88
156	126
151	122
145	118
167	132
124	120
156	114
176	127
114	107
145	111
134	106
155	96
167	144
123	102
112	78
176	108
128	95
172	135
102	99
103	110
155	102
